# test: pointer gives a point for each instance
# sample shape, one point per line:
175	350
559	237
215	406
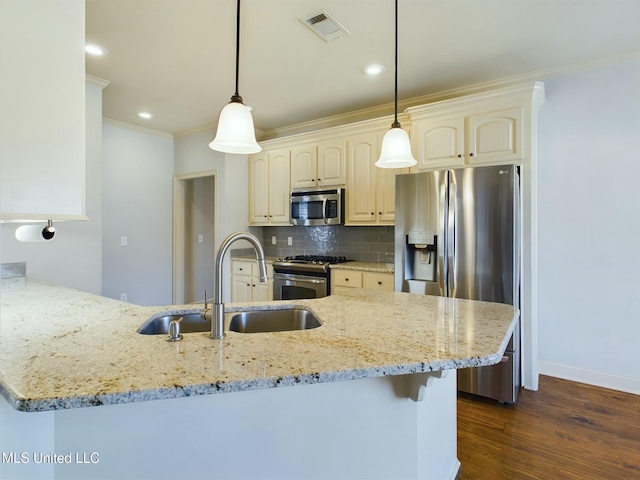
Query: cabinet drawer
378	281
347	278
242	267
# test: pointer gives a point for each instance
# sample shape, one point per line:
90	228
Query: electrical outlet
273	240
289	241
200	238
123	241
123	297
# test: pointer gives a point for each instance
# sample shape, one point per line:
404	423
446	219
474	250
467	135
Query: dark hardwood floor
565	430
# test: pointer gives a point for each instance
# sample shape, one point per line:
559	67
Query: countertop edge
181	391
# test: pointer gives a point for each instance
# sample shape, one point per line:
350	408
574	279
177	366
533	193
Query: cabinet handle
471	154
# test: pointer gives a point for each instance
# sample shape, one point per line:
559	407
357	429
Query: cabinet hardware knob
460	155
372	213
265	216
319	179
471	154
379	283
346	279
248	284
270	215
379	213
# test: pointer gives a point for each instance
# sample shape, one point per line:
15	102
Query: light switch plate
200	238
273	240
289	241
123	241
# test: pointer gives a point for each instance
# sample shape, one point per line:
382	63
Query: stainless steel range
303	276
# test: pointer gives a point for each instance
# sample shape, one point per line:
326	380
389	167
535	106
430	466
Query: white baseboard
591	377
456	469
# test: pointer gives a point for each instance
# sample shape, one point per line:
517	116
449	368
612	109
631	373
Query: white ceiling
176	58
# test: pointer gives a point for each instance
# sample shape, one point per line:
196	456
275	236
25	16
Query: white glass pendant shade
236	133
396	150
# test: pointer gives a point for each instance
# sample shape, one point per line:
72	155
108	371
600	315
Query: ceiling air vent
327	27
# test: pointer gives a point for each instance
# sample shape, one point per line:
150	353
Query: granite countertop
365	267
61	348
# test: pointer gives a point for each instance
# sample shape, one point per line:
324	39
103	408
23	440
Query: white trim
178	275
597	378
455	470
380	110
212	127
97	81
130	126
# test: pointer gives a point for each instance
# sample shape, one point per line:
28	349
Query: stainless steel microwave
318	207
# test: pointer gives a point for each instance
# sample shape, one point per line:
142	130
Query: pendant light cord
395	123
236	96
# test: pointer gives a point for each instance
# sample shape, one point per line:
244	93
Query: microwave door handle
324	211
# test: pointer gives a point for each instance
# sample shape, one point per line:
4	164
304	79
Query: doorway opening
195	228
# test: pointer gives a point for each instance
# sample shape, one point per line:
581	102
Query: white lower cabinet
345	280
245	282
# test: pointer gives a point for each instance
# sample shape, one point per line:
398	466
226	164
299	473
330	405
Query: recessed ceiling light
145	115
373	70
93	49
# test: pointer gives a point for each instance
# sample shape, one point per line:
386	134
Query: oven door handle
299	278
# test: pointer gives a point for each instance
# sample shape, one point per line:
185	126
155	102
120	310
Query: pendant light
396	148
236	133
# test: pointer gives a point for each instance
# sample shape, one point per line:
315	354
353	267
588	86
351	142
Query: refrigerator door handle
451	239
442	250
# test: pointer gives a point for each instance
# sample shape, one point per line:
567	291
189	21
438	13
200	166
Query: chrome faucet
216	314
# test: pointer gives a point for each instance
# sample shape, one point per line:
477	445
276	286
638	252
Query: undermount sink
191	322
259	321
252	321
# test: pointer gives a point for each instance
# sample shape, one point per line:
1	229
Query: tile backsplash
365	244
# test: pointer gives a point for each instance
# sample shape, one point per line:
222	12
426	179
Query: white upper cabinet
439	142
318	165
495	136
370	190
486	128
332	165
269	187
42	110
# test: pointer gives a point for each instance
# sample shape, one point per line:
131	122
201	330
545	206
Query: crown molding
379	110
130	126
212	127
97	81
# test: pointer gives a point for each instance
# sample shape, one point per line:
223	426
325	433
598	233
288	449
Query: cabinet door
279	187
259	188
386	194
440	142
262	291
303	167
42	110
495	136
332	163
361	191
240	288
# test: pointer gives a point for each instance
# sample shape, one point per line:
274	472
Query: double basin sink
252	321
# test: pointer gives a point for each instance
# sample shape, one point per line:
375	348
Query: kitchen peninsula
373	397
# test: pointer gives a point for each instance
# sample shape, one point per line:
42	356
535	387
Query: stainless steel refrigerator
457	235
